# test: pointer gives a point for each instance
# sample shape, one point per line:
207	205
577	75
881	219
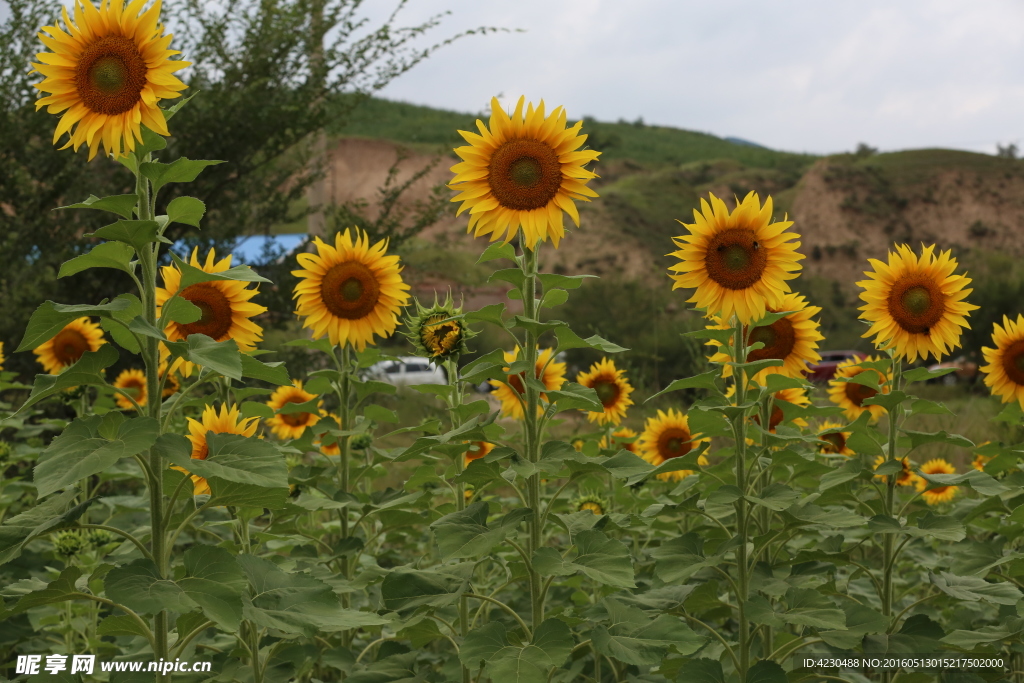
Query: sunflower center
673	443
516	382
607	392
735	259
524	174
916	305
295	419
110	76
216	318
350	290
1013	362
779	339
69	345
858	393
836	442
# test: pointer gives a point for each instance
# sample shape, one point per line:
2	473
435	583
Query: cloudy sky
798	75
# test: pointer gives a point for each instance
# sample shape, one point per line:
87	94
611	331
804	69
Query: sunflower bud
592	502
100	537
69	543
361	442
438	332
5	450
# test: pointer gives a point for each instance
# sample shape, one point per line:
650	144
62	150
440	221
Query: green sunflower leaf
114	255
222	357
85	372
122	204
182	170
137	234
186	210
704	381
50	318
190	275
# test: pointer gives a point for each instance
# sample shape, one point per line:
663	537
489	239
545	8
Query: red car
824	370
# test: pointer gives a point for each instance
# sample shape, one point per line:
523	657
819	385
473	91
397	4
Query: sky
794	75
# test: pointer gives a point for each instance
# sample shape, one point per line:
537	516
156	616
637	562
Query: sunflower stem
767	633
451	366
345	446
739	425
531	406
889	542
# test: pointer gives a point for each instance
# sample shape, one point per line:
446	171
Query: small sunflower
915	304
292	425
793	340
623	437
834	439
351	291
592	502
850	396
509	392
477	450
667	436
939	494
577	443
980	461
108	71
334	449
68	345
227	421
739	261
905	477
225	306
1004	374
612	388
133	383
438	332
522	172
2	359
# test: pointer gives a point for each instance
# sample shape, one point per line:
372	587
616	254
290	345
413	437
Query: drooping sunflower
477	450
938	494
351	291
438	332
623	437
667	436
522	171
850	396
739	261
590	502
108	71
793	340
613	390
1004	374
915	304
133	382
225	306
550	373
292	425
227	421
68	345
905	477
834	439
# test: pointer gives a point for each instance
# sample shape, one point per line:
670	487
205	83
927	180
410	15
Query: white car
408	370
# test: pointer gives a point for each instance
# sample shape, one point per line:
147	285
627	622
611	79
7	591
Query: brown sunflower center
215	321
440	338
110	76
516	382
476	451
524	174
673	443
779	339
916	304
835	441
735	259
607	392
295	419
858	393
133	388
69	345
350	290
1013	362
774	421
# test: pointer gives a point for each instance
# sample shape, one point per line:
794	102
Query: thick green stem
739	426
531	406
889	542
345	446
451	366
767	633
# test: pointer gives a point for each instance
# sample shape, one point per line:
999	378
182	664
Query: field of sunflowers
206	505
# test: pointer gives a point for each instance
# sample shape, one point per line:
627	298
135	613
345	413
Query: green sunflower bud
438	332
100	537
361	442
5	450
590	501
69	543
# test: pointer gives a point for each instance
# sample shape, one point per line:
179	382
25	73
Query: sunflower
477	450
510	391
793	340
108	71
438	332
980	461
737	261
850	396
577	443
612	388
667	436
905	477
292	425
171	381
522	172
225	307
2	355
133	383
797	397
1004	374
834	439
938	494
916	304
68	345
334	449
619	440
228	421
590	502
350	291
